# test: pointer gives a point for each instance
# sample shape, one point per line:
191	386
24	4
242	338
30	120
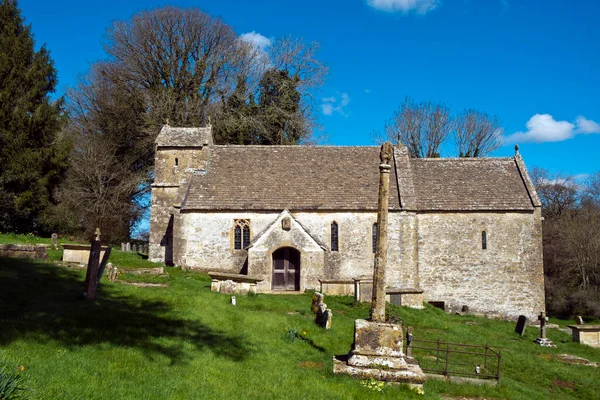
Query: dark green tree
279	108
32	155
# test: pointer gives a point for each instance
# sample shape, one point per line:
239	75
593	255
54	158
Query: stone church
463	233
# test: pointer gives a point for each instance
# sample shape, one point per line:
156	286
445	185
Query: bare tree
579	244
423	127
591	192
557	193
477	134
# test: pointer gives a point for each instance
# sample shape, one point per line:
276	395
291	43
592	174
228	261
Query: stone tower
179	152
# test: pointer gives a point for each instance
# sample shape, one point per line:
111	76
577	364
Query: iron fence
455	359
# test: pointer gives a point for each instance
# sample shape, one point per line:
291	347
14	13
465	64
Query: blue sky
534	63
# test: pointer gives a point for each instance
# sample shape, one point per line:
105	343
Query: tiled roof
184	137
468	184
346	178
289	177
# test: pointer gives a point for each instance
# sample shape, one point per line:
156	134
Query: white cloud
544	128
255	38
587	126
405	6
331	105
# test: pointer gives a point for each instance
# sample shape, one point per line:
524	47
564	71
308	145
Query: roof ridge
463	159
267	146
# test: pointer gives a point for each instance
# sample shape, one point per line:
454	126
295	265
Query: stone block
377	338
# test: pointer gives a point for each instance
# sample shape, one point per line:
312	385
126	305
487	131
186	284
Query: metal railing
454	359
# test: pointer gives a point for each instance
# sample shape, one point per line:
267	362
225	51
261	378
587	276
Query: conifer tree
32	160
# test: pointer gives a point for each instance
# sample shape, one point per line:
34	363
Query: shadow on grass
40	302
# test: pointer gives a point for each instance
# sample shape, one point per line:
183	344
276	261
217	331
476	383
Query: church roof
289	177
184	137
469	184
346	178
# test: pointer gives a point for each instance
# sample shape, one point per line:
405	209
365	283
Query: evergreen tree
279	108
32	160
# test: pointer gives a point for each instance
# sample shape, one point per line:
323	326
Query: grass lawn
186	342
117	257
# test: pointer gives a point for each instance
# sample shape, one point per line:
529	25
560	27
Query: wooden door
286	269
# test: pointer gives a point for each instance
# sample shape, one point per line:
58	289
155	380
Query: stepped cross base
377	354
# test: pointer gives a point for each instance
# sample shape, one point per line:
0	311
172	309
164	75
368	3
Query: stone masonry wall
506	278
206	243
171	165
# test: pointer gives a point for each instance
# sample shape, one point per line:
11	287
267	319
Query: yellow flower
304	333
22	368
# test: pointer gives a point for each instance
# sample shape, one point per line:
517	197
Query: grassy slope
185	342
117	257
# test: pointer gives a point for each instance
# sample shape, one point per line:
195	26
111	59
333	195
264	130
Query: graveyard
181	340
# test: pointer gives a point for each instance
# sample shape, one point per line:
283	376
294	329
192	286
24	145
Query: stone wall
507	278
172	166
206	243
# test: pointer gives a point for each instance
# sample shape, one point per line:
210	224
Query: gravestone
317	300
91	277
134	248
122	246
54	238
327	318
521	325
579	320
320	315
543	340
128	247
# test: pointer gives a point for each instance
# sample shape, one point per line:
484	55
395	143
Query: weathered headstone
579	320
103	263
54	238
122	246
543	340
111	272
327	318
127	247
91	276
521	325
323	316
317	299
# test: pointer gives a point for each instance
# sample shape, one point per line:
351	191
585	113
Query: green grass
186	342
117	257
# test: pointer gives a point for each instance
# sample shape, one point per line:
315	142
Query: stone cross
542	317
378	302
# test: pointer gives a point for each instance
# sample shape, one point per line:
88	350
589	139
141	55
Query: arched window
241	233
334	236
374	237
483	240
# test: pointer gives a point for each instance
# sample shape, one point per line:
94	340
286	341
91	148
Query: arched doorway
286	269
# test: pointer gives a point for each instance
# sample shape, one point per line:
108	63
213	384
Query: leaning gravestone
323	317
579	320
521	325
54	241
317	300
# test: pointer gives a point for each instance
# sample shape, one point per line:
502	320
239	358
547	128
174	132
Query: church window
483	240
176	161
334	236
374	237
241	233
